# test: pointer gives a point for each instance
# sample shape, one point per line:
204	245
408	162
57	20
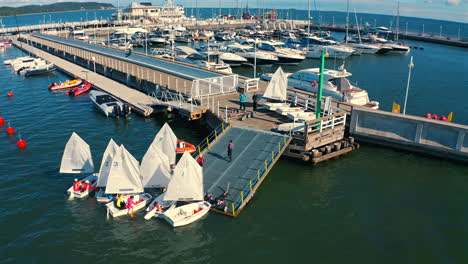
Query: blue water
415	25
374	205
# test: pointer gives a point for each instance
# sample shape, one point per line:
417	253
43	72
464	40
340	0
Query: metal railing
248	191
212	138
212	86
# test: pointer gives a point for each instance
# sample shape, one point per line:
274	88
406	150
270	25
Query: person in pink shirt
131	203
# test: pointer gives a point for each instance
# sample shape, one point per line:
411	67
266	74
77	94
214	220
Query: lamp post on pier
410	66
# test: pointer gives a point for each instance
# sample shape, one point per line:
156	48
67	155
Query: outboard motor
126	109
116	111
71	93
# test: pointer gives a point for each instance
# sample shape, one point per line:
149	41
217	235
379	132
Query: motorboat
124	178
333	49
108	104
77	159
20	59
285	55
253	56
223	36
183	146
335	84
186	184
84	88
38	69
157	39
232	59
209	62
65	85
21	65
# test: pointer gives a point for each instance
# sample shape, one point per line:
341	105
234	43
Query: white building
168	13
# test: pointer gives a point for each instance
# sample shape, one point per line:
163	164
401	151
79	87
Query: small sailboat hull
186	214
116	212
79	194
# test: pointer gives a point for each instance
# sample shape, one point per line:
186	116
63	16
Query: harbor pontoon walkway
254	153
139	101
175	69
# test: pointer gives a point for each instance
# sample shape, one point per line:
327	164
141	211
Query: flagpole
410	66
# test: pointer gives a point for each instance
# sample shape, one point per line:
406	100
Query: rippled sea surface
373	205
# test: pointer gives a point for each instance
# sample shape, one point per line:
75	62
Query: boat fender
428	115
313	83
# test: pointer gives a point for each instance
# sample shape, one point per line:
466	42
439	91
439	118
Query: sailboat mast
308	25
398	20
347	21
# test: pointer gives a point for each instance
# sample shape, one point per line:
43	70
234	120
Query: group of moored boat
122	180
29	66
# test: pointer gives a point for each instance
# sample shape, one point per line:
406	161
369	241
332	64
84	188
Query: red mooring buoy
10	130
21	144
2	121
10	94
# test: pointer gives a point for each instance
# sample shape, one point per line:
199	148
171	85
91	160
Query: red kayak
80	89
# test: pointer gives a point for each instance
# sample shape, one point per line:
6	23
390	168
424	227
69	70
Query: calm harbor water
374	205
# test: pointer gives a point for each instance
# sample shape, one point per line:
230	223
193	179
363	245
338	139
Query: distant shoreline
53	12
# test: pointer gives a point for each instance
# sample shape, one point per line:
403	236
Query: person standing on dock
229	150
242	100
200	160
255	99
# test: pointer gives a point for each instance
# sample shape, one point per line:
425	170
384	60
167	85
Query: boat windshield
103	99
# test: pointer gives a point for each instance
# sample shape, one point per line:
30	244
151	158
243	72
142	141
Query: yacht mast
308	25
398	20
347	21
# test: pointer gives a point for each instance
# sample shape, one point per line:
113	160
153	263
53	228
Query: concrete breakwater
417	134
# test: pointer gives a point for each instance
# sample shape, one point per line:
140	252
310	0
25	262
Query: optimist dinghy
156	173
104	170
186	185
166	140
77	159
124	178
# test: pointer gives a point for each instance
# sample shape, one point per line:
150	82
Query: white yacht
335	84
285	55
38	69
333	49
211	62
249	53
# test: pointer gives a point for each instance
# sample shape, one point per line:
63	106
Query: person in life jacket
131	203
120	203
76	185
200	160
86	186
158	208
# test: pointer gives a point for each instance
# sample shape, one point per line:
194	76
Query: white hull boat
335	84
165	206
274	106
286	110
109	105
186	214
102	197
79	194
143	199
301	116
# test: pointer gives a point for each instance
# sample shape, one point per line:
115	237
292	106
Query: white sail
124	176
166	140
105	170
76	156
155	169
111	149
187	181
277	88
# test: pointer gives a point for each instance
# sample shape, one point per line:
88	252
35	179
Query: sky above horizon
452	10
